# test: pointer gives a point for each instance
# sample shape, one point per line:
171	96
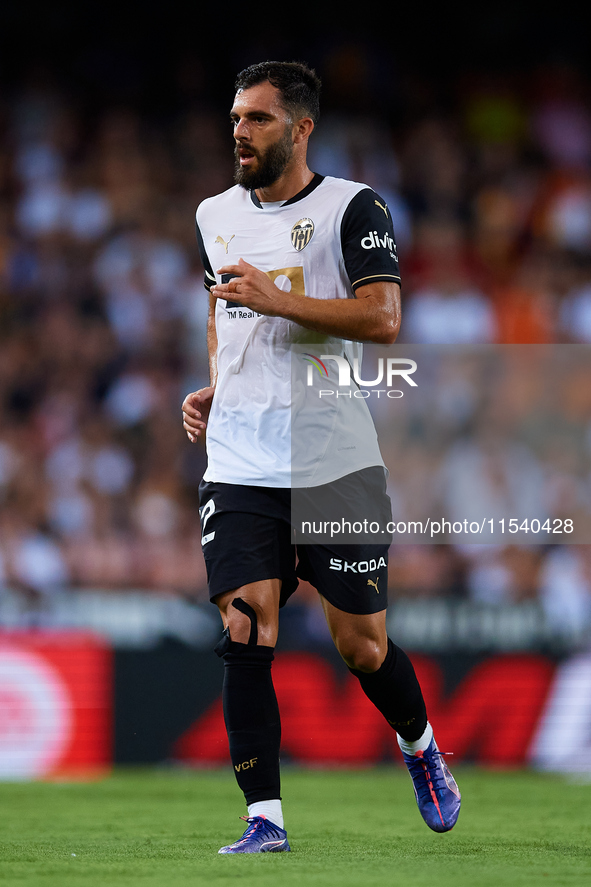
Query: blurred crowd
102	310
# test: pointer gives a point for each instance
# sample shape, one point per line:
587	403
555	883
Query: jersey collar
311	186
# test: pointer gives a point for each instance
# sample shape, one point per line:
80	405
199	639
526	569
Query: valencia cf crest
301	233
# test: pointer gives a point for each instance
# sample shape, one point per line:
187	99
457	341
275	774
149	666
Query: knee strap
245	608
223	645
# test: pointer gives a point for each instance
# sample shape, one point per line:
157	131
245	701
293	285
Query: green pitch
355	829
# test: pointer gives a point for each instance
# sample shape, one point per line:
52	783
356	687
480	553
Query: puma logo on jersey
381	206
224	243
375	584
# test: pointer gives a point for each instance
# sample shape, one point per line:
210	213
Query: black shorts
247	536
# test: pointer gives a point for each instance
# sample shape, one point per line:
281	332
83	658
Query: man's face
263	135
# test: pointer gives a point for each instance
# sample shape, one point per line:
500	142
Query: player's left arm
372	316
369	253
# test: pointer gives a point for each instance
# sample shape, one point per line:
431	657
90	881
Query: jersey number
206	512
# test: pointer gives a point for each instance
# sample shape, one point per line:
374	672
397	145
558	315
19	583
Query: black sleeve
209	279
367	240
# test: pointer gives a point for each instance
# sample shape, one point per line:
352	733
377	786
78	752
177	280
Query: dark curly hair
298	84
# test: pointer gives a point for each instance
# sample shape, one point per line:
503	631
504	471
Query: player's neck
287	186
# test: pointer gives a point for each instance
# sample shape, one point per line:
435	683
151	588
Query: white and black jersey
324	243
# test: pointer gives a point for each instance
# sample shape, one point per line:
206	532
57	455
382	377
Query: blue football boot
261	836
438	796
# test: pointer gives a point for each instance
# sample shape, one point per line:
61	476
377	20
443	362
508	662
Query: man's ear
303	129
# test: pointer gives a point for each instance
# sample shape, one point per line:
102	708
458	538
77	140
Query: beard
270	166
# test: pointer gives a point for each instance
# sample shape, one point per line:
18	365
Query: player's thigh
352	581
361	639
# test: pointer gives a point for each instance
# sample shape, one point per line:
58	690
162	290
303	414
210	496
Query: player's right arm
197	404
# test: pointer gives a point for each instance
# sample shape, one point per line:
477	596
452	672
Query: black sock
252	720
396	693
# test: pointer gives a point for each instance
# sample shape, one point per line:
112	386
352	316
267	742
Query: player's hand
196	408
251	288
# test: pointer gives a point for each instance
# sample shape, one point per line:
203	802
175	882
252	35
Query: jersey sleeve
367	240
209	278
